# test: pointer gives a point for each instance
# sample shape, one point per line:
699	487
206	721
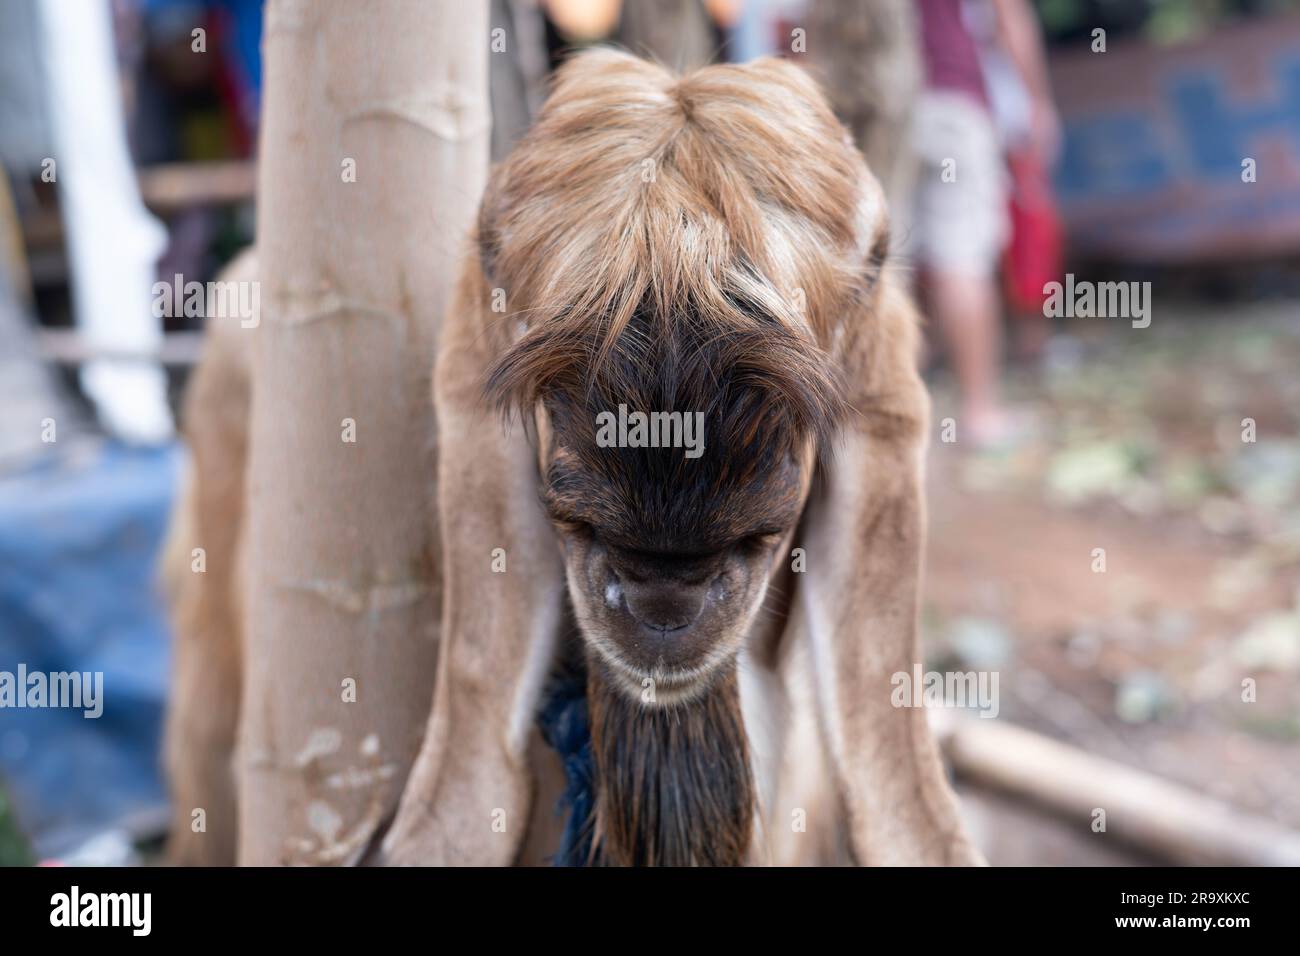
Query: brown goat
709	249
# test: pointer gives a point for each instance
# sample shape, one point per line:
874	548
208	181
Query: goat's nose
665	606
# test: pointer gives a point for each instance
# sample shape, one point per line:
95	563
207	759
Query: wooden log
170	187
1159	816
69	347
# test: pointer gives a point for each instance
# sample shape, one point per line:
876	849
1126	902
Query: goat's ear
856	603
902	409
498	630
487	234
879	361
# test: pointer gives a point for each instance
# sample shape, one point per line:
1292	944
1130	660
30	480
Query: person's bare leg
1032	333
967	311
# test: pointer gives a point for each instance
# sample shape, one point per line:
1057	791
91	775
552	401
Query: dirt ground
1138	448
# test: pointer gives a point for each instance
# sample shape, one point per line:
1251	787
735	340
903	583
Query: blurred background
1134	141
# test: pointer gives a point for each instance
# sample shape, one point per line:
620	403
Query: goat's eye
761	540
573	526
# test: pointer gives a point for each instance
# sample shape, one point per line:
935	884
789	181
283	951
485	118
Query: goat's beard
673	785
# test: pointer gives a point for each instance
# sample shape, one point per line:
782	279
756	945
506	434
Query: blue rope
565	728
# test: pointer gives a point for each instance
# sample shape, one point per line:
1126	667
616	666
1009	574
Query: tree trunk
374	152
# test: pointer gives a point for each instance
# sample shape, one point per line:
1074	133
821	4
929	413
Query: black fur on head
759	394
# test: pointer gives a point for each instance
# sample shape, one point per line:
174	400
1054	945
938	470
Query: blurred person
1030	135
961	223
868	58
583	21
682	34
517	81
677	33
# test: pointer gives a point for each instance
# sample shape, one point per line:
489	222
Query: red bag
1033	257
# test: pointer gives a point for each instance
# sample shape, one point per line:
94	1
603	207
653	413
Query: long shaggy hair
673	787
660	236
684	244
695	244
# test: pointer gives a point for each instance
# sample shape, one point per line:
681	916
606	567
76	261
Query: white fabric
113	241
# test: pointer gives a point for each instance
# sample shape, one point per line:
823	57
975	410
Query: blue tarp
80	534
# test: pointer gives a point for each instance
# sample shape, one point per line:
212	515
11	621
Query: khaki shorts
960	222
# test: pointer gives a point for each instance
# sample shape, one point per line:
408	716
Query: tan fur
579	242
203	712
760	218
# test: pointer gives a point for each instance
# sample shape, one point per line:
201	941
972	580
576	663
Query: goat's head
680	257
